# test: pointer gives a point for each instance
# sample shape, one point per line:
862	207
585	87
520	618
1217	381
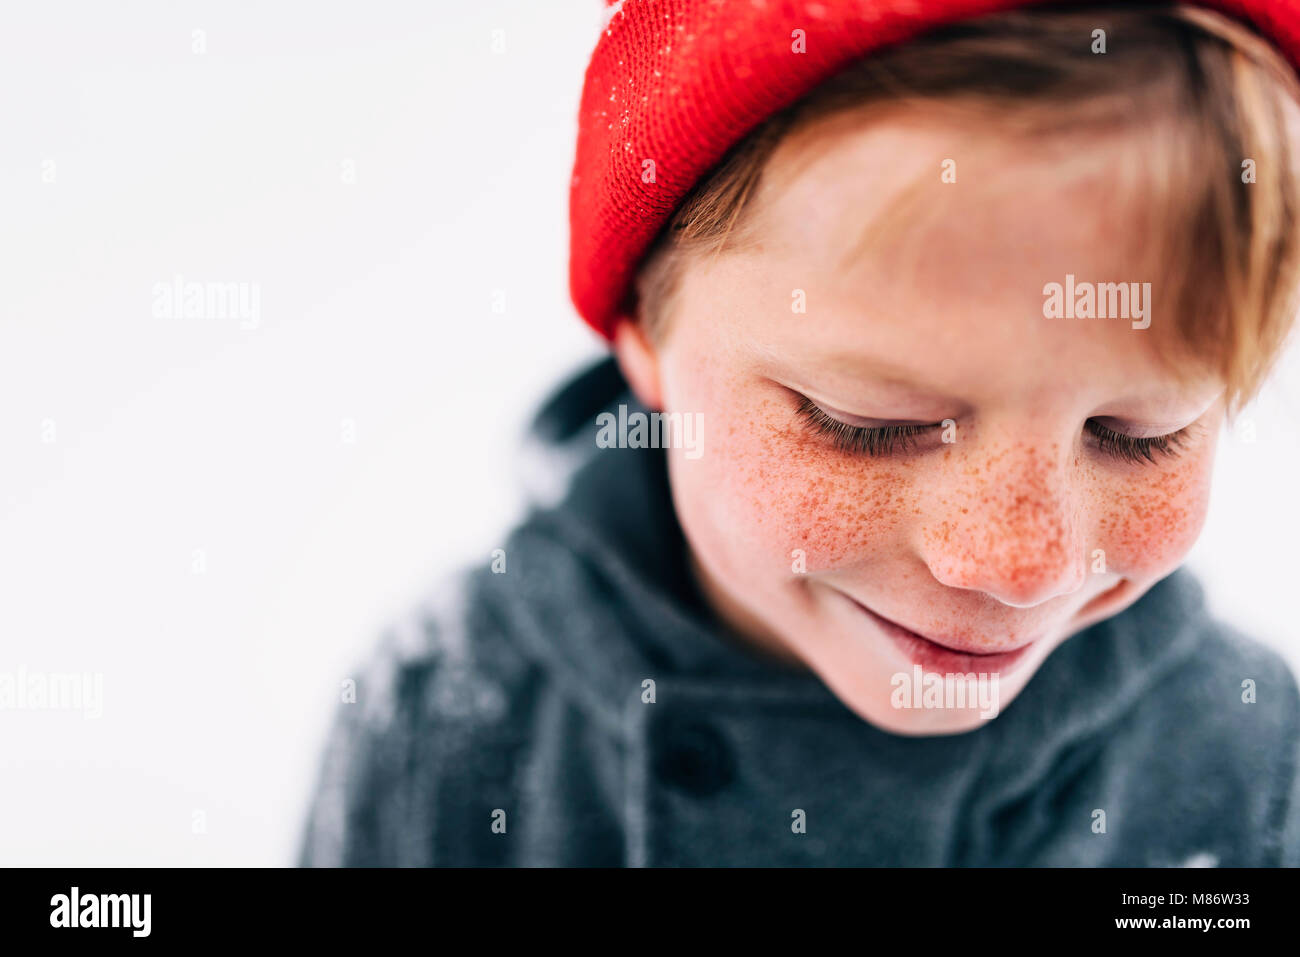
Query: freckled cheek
766	488
1152	523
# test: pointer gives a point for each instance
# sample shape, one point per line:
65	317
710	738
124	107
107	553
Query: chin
915	702
923	722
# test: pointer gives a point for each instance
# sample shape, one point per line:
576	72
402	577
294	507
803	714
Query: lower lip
934	657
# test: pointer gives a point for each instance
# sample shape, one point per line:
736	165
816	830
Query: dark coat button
693	758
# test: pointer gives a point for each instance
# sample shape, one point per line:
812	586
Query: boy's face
996	538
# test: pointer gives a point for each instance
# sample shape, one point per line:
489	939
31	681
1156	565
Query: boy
945	312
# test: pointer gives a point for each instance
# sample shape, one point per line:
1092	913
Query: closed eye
861	440
897	438
1133	448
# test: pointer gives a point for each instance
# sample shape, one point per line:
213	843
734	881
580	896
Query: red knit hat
676	83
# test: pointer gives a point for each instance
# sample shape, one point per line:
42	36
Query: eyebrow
864	367
778	355
912	385
1156	405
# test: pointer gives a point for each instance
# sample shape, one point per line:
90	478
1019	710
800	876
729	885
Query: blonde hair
1220	92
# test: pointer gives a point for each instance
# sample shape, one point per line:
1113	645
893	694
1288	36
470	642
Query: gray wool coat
504	721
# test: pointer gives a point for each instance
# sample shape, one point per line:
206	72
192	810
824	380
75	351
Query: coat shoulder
1235	686
421	756
1225	725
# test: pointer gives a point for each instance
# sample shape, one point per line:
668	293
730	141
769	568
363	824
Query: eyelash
894	439
1133	449
887	440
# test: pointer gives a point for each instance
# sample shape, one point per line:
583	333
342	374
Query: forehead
914	232
952	175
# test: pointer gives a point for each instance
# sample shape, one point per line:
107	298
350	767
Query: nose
1013	530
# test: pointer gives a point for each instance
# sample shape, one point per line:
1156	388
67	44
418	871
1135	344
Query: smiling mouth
936	656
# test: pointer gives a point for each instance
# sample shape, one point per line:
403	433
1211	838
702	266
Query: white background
177	435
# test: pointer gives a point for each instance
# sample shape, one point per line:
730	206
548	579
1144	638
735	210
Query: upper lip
961	647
